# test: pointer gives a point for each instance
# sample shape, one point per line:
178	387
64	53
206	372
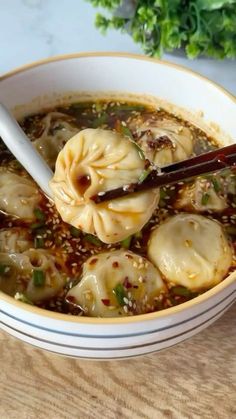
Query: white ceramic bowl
93	338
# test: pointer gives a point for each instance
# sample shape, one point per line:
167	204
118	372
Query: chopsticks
202	164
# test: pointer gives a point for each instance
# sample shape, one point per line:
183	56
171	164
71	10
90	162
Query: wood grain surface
196	379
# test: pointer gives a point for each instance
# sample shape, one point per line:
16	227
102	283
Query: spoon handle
22	148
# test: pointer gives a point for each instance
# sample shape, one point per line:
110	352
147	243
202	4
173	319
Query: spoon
22	148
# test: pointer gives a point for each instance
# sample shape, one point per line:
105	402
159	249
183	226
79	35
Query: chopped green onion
75	232
120	294
39	214
98	107
38	278
216	184
100	120
143	175
205	198
126	131
126	242
92	239
181	291
138	235
3	269
35	226
38	242
22	297
140	151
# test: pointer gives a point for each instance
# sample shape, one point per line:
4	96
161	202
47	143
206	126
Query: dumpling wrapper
139	279
14	240
18	195
190	250
165	141
93	161
192	195
22	265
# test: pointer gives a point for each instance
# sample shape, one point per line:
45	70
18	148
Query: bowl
42	83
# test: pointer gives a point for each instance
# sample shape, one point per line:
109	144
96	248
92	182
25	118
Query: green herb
120	294
38	242
101	120
75	232
126	242
35	226
140	151
38	278
3	269
92	239
22	297
216	184
39	214
98	107
143	175
138	235
126	131
181	291
202	27
205	198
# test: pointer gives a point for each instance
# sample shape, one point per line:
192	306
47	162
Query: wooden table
196	379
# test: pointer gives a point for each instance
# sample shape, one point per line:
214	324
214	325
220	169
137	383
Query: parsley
202	27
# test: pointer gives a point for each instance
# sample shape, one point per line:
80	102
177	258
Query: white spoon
22	148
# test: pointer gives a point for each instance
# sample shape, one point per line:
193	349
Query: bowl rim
142	317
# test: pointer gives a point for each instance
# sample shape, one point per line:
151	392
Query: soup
186	246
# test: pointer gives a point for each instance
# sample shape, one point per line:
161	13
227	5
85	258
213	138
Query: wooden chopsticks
204	163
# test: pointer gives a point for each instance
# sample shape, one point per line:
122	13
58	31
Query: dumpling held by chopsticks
97	160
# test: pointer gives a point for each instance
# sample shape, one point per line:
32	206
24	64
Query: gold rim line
63	57
142	317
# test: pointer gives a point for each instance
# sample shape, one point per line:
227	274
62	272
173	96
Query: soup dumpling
14	240
165	141
23	266
190	250
118	283
92	162
18	195
201	196
58	129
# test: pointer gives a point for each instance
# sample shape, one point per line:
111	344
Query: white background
35	29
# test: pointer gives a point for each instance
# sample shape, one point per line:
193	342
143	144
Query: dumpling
23	267
18	195
57	131
165	141
190	250
94	161
118	283
14	240
201	195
